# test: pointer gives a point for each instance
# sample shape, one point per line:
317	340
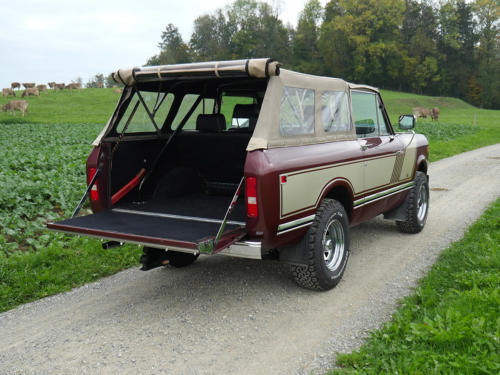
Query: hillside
454	133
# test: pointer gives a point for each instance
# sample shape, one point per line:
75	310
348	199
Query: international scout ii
245	159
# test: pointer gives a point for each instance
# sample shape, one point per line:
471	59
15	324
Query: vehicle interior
191	137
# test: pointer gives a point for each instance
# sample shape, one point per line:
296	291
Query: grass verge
27	276
451	324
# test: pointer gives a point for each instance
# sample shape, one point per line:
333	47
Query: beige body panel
303	189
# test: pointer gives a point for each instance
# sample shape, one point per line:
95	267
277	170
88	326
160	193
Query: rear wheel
327	242
418	206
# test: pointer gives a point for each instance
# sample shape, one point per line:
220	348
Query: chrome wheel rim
333	244
422	203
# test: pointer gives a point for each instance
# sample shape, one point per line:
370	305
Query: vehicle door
379	150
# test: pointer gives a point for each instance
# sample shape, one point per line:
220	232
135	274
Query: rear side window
335	113
297	112
364	111
137	117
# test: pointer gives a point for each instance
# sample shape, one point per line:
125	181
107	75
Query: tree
361	38
488	14
96	82
173	50
305	39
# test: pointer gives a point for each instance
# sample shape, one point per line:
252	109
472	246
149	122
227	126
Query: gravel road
234	316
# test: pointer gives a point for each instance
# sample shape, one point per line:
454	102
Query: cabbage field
42	176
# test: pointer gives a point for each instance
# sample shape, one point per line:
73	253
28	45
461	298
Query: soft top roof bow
256	68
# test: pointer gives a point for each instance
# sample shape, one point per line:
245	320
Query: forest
445	48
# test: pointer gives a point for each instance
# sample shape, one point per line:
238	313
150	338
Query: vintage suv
246	159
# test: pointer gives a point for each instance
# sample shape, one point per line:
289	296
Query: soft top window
136	118
335	113
297	112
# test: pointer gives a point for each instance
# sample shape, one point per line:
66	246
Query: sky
60	40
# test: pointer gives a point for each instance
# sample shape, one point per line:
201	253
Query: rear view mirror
406	122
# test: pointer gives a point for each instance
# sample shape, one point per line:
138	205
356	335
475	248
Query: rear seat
218	155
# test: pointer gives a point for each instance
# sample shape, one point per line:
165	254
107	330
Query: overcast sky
60	40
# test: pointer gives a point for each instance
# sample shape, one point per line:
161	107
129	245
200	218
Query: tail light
94	193
251	196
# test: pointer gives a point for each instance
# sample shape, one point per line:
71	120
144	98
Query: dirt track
225	315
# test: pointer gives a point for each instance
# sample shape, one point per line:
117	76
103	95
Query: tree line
450	48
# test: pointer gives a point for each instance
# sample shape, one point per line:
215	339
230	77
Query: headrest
249	111
212	123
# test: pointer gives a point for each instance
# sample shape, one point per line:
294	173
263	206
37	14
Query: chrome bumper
244	249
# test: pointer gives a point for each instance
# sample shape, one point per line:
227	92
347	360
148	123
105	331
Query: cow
15	85
59	86
20	105
41	88
52	84
30	92
74	86
29	85
117	91
421	112
435	114
8	92
99	85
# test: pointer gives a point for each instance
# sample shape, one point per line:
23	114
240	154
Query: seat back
248	112
211	123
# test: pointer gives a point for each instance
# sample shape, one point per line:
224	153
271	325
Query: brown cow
435	114
29	85
41	88
20	105
421	112
30	92
117	91
8	92
59	86
52	84
15	85
74	86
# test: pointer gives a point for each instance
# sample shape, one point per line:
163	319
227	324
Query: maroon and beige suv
245	159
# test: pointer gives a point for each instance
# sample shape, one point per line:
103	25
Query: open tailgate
144	226
155	229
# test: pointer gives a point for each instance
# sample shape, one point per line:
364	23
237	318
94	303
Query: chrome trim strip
293	223
171	216
382	194
289	230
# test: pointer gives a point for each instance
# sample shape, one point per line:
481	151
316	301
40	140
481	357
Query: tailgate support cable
87	191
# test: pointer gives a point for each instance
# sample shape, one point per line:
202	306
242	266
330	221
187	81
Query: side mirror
406	122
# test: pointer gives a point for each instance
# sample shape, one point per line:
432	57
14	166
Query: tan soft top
266	134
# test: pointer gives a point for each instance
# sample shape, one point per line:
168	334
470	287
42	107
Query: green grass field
42	175
451	324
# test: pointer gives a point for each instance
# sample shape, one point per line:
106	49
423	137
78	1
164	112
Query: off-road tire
418	206
331	216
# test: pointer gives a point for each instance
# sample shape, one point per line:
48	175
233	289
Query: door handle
364	147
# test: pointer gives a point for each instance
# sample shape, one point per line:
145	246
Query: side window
204	106
335	112
384	129
158	106
297	112
233	109
364	110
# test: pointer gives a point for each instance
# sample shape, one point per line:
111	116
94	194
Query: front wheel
418	206
327	244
